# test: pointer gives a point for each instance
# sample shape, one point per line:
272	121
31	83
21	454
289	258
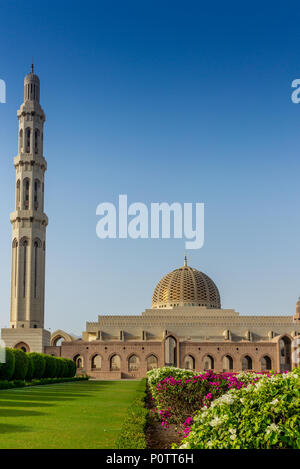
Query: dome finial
32	68
185	261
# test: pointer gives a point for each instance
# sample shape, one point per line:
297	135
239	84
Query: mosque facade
185	327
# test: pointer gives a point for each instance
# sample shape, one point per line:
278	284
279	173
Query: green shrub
132	435
71	368
21	364
59	367
264	415
39	364
50	367
30	370
64	367
7	369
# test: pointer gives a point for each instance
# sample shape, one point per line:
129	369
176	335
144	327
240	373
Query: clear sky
175	101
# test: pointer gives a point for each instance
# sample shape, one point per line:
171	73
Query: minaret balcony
29	215
28	158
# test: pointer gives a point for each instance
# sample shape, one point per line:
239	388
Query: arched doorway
170	351
96	362
246	363
208	363
189	362
227	363
78	359
285	354
115	363
133	363
152	362
266	363
22	346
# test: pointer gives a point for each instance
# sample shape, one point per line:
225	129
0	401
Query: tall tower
29	224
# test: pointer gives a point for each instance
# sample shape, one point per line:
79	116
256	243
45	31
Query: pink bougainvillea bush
265	414
178	394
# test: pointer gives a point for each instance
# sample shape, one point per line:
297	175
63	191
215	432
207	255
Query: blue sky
162	101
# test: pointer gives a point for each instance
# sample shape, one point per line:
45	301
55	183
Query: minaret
29	224
297	315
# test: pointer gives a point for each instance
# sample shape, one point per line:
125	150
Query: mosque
185	327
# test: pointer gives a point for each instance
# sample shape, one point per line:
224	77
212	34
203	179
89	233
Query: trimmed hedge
5	384
7	369
50	366
21	364
39	364
30	370
132	435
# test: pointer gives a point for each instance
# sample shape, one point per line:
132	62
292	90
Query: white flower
272	428
216	422
275	401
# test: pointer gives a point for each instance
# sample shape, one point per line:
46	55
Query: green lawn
70	415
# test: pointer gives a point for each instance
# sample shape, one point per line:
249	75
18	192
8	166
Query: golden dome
186	287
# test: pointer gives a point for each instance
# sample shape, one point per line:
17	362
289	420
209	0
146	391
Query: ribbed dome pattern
186	287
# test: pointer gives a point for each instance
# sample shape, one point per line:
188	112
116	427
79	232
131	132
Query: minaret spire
29	223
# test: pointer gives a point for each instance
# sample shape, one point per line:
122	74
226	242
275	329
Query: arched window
37	245
15	264
227	363
189	362
21	140
96	362
285	354
18	194
170	351
27	140
26	185
24	244
247	363
58	341
36	140
115	363
37	185
78	359
266	363
152	362
208	362
133	363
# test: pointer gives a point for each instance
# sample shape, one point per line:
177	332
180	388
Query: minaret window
36	140
36	194
25	245
27	143
15	264
26	194
18	195
37	244
21	140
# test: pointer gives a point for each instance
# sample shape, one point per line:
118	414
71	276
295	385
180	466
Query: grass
69	415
